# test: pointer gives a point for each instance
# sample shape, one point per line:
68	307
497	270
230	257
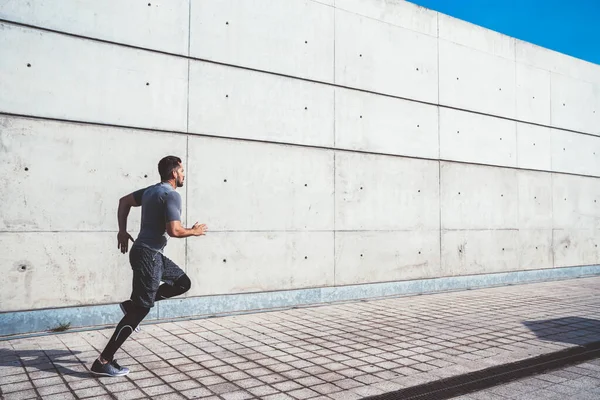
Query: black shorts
149	269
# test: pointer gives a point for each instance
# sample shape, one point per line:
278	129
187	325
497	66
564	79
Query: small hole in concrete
458	192
563	104
501	195
418	126
566	247
26	169
535	197
361	188
419	252
534	97
534	144
500	138
419	190
147	83
224	260
361	116
224	180
29	65
227	95
361	255
145	176
306	184
536	247
457	78
227	23
306	257
500	89
306	41
306	108
503	249
360	55
417	69
457	131
23	267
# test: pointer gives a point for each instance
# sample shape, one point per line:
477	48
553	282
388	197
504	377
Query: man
161	216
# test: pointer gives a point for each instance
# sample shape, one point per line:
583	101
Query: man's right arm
175	229
173	219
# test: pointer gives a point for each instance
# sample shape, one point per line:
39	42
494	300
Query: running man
161	216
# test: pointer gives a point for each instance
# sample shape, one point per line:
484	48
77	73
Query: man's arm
175	229
125	204
173	219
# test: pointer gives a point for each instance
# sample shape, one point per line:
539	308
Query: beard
179	182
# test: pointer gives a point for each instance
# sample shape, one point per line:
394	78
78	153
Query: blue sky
571	27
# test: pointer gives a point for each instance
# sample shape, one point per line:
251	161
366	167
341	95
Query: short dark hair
167	165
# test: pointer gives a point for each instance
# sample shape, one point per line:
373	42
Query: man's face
179	176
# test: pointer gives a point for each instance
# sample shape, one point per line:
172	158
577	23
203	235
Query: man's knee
184	283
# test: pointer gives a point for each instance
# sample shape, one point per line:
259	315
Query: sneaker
124	305
109	369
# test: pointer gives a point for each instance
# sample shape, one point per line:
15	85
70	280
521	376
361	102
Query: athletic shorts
149	269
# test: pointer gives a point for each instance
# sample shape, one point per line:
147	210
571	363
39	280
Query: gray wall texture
327	144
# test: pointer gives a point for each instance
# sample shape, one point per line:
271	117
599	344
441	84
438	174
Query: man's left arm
125	203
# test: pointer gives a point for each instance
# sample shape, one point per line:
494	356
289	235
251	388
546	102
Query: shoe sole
105	374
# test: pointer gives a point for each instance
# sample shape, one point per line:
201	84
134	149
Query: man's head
170	169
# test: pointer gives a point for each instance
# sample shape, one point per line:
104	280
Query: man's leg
147	270
176	281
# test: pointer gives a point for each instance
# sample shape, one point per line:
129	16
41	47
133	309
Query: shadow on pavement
44	360
573	330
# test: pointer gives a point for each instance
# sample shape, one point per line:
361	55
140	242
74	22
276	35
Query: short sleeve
137	196
173	207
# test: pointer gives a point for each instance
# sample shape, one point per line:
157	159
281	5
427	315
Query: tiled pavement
340	351
579	382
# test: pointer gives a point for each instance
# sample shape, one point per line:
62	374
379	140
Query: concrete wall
326	143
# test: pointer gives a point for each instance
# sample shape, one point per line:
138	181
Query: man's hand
123	241
199	230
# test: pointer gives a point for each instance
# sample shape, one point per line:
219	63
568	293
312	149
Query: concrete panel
395	12
370	122
385	193
477	197
58	269
366	257
535	200
238	103
535	249
71	176
475	80
576	202
575	153
151	25
236	262
383	58
476	37
575	247
90	81
575	104
259	187
477	138
543	58
479	252
533	94
534	147
293	37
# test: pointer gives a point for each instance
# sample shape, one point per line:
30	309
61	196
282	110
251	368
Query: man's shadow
573	330
43	360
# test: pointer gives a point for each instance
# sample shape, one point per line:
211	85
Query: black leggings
135	314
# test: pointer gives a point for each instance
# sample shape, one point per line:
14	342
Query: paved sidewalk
342	351
578	382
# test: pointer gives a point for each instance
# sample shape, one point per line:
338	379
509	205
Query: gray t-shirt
160	204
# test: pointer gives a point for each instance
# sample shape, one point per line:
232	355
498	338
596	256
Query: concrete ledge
20	322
